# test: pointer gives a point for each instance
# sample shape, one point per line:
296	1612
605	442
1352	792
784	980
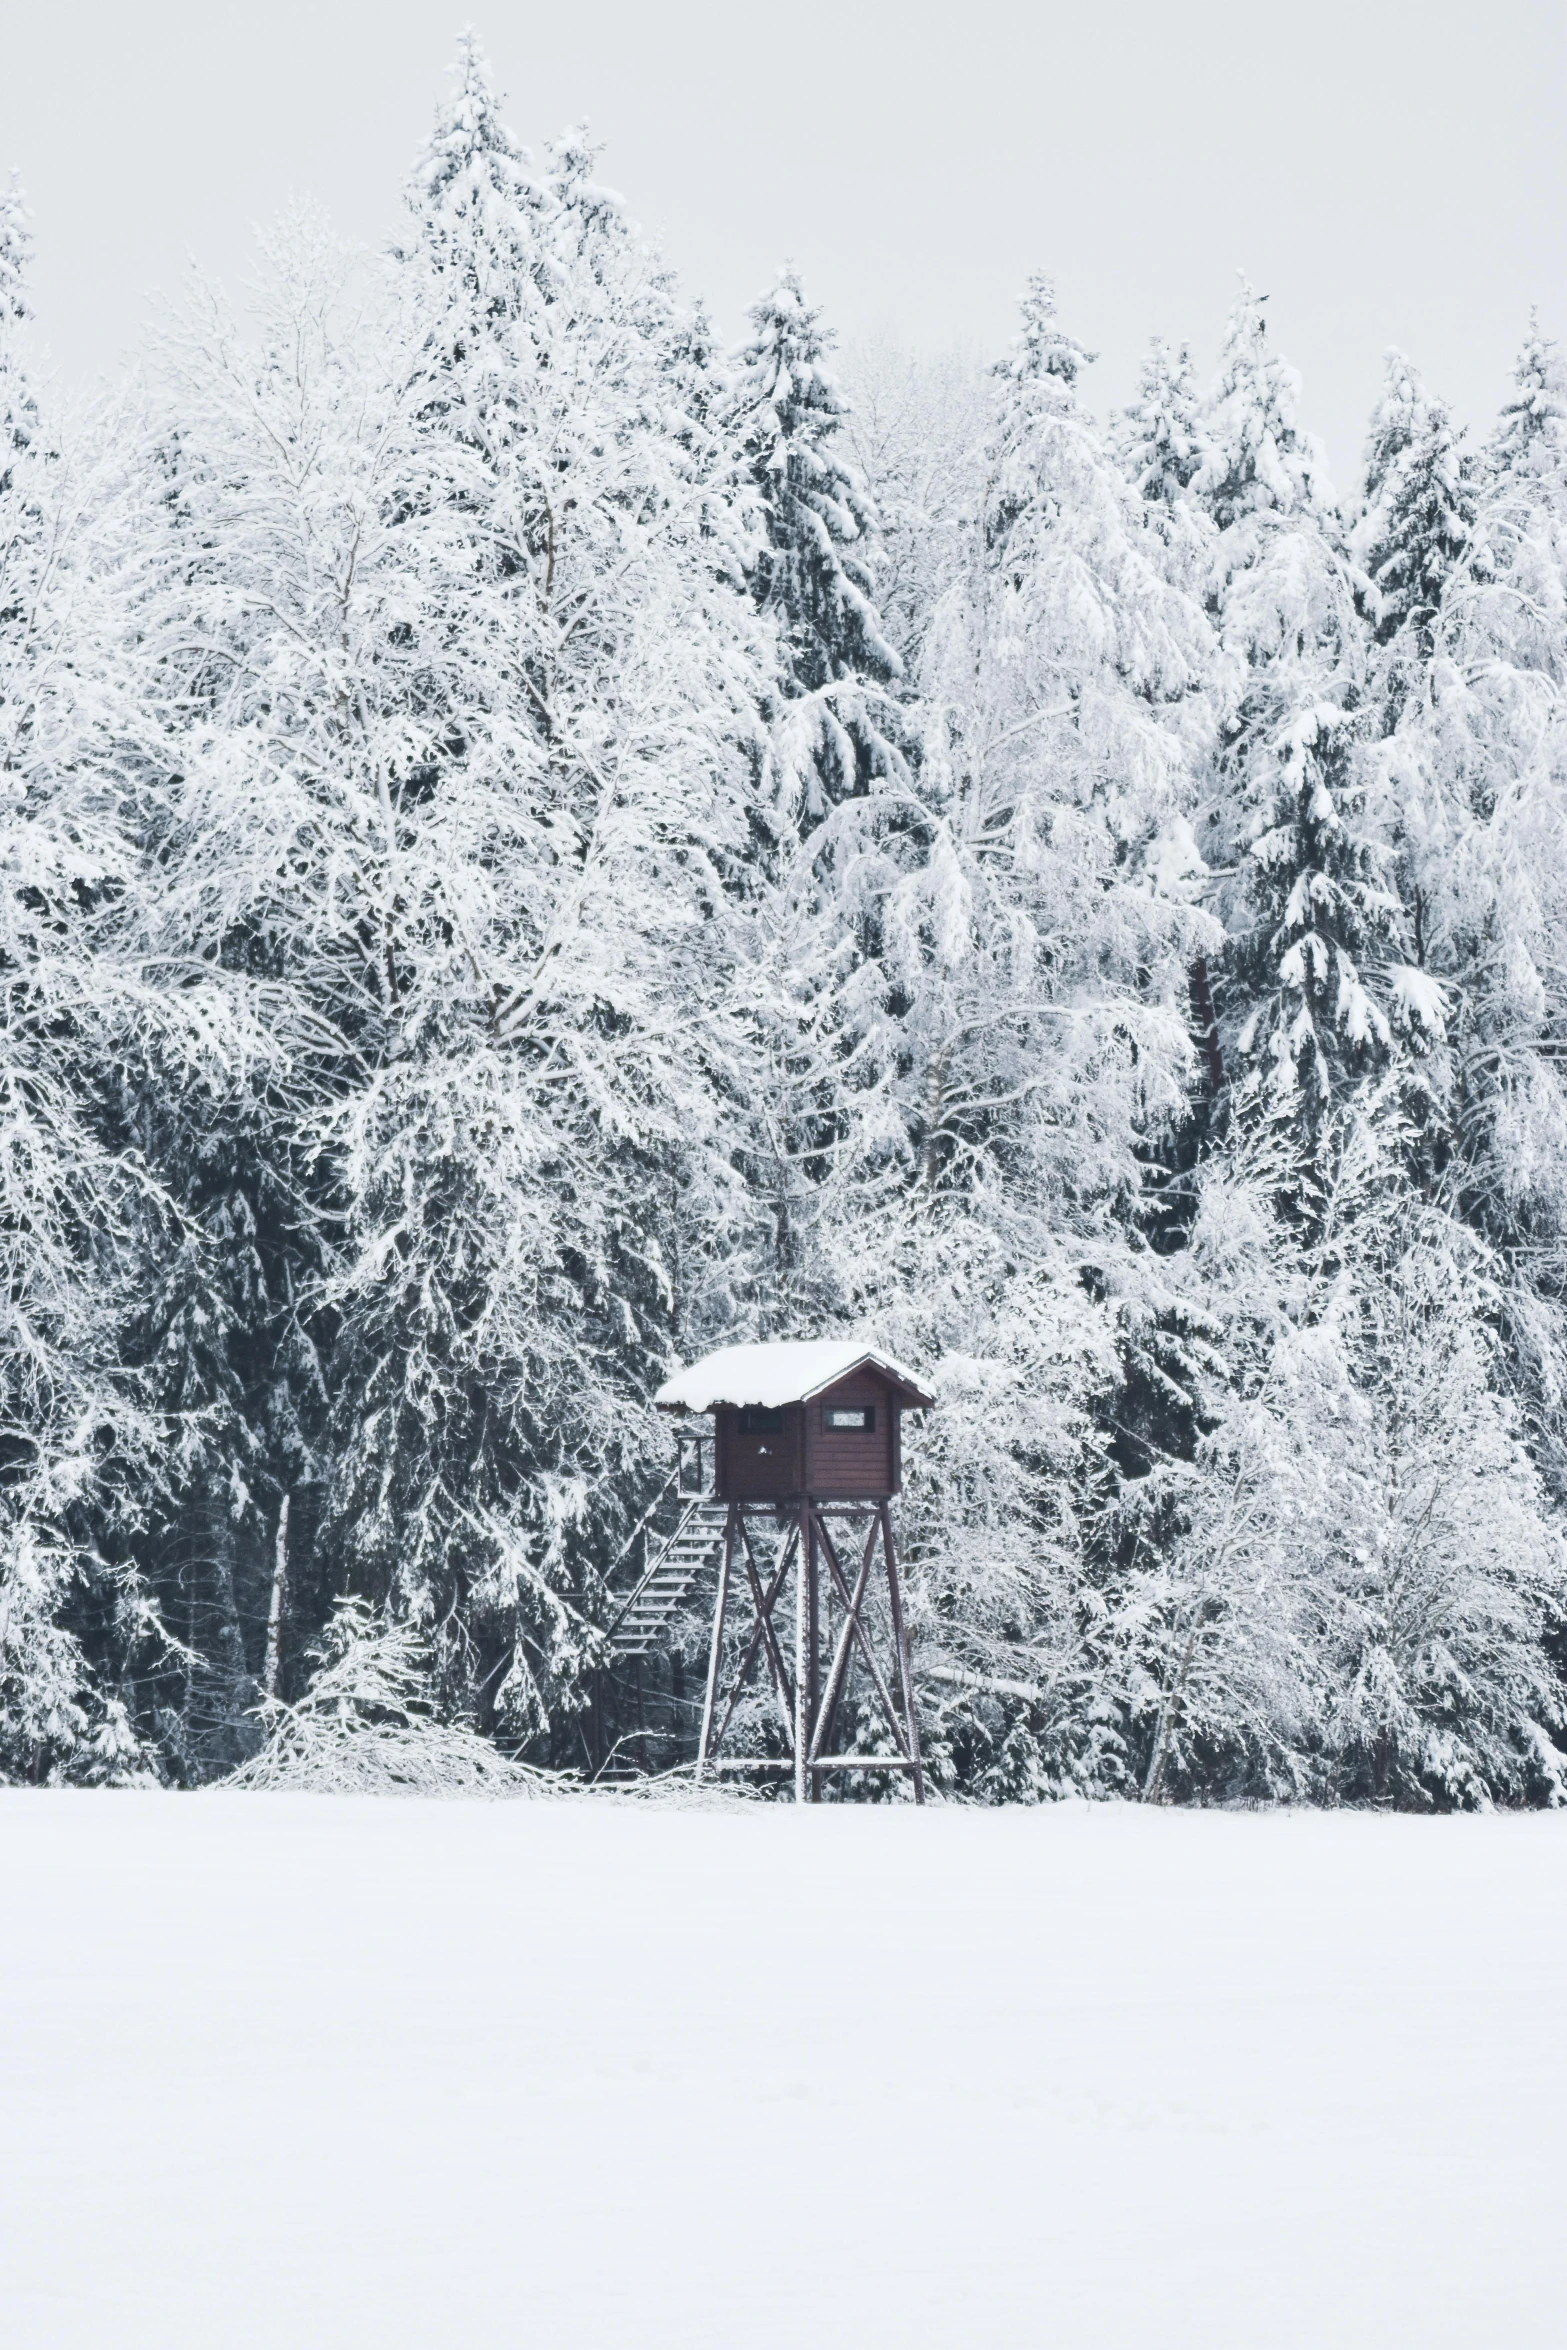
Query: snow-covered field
313	2072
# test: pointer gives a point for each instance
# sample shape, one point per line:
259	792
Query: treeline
533	846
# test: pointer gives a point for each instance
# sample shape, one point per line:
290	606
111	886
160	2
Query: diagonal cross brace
834	1689
852	1603
764	1614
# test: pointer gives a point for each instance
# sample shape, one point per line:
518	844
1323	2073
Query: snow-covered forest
536	844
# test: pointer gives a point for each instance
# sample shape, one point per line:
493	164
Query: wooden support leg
802	1624
900	1637
813	1784
708	1702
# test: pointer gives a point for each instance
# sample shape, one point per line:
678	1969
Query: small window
858	1417
758	1419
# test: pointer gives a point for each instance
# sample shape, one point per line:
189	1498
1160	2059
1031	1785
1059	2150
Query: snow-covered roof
789	1370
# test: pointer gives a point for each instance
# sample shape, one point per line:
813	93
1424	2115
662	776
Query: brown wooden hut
801	1419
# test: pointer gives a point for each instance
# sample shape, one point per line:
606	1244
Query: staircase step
689	1553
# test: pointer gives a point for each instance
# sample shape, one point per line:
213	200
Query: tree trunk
1207	1022
269	1677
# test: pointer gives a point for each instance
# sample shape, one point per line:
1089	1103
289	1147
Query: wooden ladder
671	1576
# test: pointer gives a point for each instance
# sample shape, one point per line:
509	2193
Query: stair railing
650	1567
691	1449
641	1526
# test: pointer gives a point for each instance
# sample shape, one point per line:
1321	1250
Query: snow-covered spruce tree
273	696
537	1129
1418	524
1468	769
1343	1596
1323	927
1159	441
1314	979
1345	1591
1441	1688
1211	1647
1258	464
1012	1035
1477	766
1322	1012
832	737
1416	534
1158	435
916	427
1532	428
813	573
76	1447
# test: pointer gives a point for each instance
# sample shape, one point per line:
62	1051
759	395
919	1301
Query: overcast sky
1389	170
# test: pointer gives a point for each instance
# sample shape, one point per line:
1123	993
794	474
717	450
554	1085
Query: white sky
1389	170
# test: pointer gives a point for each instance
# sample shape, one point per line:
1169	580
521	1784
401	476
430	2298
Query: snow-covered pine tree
1345	1594
1447	1590
536	1138
1524	524
1011	1020
1328	1619
813	572
76	1446
1416	535
1088	664
1314	980
832	738
20	408
1531	432
1418	522
1158	435
917	426
1158	439
1258	463
1323	925
1476	767
268	641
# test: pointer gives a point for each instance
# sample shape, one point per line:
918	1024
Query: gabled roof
789	1370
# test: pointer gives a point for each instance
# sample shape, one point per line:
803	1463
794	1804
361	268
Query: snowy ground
289	2070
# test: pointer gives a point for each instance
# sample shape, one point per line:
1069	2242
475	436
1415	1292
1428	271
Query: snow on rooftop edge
786	1370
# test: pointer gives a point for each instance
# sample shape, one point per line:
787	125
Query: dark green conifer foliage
813	571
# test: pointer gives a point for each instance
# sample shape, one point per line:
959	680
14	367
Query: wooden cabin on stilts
807	1441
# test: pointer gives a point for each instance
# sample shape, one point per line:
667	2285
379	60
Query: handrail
651	1511
632	1596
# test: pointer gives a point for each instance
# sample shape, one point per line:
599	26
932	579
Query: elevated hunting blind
807	1433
